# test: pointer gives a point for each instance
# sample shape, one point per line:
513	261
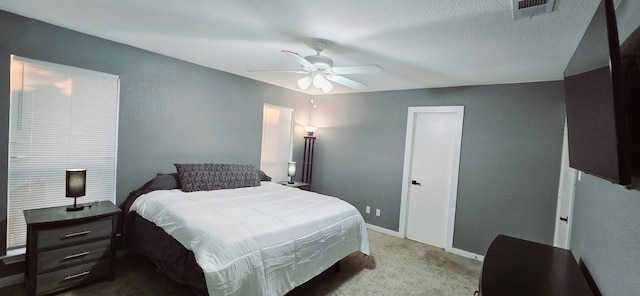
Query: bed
221	230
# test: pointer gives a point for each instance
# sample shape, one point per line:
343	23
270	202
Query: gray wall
170	111
606	217
606	234
509	167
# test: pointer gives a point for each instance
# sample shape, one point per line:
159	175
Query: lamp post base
74	207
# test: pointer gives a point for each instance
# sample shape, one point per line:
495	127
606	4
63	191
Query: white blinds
61	117
277	141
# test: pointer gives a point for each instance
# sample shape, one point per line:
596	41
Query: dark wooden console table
518	267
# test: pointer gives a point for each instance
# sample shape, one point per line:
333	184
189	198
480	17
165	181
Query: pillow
214	176
263	176
159	182
163	182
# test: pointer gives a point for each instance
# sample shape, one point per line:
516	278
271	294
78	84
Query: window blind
61	118
277	141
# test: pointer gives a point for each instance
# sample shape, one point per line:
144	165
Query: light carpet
396	267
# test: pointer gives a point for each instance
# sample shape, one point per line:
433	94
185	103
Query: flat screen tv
598	103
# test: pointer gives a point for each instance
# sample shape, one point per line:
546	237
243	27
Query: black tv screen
596	102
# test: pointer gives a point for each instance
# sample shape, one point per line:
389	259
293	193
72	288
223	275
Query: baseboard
12	268
384	230
458	252
11	280
467	254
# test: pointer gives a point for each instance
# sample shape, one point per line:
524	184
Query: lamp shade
327	87
319	80
310	129
76	181
291	169
304	82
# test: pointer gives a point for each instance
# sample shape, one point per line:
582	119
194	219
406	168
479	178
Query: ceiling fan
320	71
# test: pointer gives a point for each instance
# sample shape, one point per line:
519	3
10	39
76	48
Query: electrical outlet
368	209
378	212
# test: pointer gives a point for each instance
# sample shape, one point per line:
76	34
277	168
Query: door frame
566	189
408	158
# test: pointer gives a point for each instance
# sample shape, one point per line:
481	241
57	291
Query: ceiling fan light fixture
304	82
319	81
327	87
320	71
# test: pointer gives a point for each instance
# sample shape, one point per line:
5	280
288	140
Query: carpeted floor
396	267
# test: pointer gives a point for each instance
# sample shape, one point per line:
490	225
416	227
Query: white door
564	210
432	178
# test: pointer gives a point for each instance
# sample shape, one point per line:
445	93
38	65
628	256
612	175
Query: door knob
414	182
565	219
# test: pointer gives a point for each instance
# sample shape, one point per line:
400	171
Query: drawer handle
77	234
77	255
77	275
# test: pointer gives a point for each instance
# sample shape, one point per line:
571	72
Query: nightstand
66	249
296	184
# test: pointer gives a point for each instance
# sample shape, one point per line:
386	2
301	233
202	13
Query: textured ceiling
419	44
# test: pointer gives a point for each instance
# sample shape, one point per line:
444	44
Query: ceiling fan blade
357	69
300	59
280	71
347	82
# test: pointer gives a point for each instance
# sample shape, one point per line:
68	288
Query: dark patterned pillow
215	176
263	176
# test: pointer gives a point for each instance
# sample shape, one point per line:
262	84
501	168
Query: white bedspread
262	240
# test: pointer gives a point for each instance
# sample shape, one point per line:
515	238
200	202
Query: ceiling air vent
529	8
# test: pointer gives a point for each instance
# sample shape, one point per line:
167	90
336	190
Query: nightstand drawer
60	258
64	278
74	234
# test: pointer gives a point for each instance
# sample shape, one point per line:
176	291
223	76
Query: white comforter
262	240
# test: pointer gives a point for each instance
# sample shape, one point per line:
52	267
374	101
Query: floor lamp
307	163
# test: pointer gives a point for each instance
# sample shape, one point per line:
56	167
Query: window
61	117
277	141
